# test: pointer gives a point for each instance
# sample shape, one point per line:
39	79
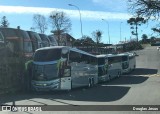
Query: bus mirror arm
67	67
110	65
7	42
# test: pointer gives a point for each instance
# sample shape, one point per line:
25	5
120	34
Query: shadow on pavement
105	92
98	93
101	93
144	71
127	79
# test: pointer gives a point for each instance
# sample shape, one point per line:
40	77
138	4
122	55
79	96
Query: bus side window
118	59
110	61
65	55
74	57
93	60
84	59
71	57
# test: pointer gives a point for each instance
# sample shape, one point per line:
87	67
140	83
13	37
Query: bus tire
89	82
71	86
134	67
130	70
119	73
109	78
92	81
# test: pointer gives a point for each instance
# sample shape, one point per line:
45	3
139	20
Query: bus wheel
118	74
130	70
89	82
71	86
109	78
92	82
134	67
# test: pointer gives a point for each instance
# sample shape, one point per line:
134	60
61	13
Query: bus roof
83	52
114	55
53	47
124	54
101	56
72	49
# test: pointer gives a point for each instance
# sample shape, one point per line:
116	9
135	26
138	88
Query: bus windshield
45	72
101	61
47	55
124	58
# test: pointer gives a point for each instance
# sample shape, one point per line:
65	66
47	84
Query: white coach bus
132	62
128	62
102	62
114	66
109	67
63	68
125	62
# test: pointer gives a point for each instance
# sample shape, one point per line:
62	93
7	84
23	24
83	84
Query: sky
114	12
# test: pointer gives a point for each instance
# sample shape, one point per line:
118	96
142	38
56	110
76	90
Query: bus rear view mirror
65	50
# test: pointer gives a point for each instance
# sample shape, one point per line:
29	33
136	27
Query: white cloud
91	15
112	5
23	9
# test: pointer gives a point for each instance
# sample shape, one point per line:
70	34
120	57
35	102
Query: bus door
125	62
66	78
65	71
106	65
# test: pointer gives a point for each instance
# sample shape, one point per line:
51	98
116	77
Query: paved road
149	59
141	87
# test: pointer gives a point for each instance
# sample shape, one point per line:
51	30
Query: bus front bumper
124	71
37	86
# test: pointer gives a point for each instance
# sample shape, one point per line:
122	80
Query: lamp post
120	31
79	15
108	29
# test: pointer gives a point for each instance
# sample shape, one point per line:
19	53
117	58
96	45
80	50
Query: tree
97	35
153	39
135	22
60	23
144	38
4	22
145	8
40	23
156	30
87	41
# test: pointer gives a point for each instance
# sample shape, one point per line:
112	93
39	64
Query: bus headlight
49	84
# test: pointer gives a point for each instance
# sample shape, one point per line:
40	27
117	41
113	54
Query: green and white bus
63	68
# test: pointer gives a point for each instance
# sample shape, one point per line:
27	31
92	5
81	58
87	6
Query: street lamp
108	29
120	31
79	15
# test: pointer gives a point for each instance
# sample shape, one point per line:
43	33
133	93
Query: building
65	39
